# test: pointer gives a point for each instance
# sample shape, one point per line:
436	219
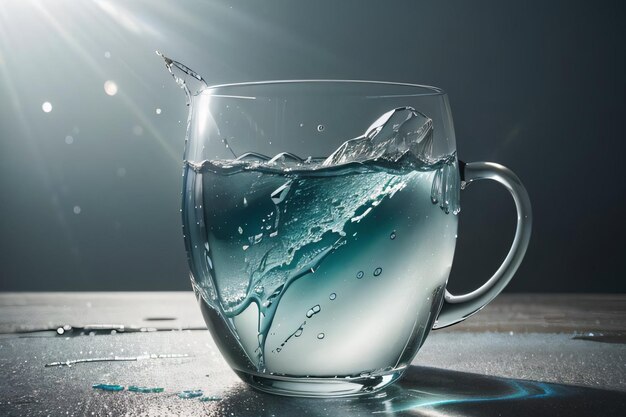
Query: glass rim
426	90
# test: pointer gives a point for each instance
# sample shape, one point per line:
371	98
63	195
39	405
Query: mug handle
457	308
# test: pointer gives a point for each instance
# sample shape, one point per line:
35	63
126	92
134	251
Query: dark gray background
538	86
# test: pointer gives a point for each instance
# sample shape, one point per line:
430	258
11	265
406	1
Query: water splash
391	151
190	81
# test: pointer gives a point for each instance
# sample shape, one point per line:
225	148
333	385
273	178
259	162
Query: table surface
546	355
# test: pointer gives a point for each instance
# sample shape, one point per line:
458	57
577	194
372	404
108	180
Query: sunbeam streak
93	65
39	162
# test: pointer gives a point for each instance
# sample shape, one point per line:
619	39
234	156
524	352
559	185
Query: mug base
319	387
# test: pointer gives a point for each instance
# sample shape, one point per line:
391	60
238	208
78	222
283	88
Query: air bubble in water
378	271
46	107
320	128
321	336
314	310
360	274
332	296
69	139
392	236
240	230
158	111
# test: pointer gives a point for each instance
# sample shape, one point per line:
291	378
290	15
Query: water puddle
145	390
190	394
101	329
108	387
602	338
117	359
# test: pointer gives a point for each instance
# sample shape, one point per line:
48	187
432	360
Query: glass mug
320	222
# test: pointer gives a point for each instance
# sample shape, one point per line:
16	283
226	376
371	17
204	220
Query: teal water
317	269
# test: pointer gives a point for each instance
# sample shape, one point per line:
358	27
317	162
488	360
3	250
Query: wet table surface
539	355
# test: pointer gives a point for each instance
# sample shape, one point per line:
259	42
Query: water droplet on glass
298	333
69	139
332	296
110	87
240	230
392	236
158	111
378	271
46	107
321	336
360	274
320	128
77	209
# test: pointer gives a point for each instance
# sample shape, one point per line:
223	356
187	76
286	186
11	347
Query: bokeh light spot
110	87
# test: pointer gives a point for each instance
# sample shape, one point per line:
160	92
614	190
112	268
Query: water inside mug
294	239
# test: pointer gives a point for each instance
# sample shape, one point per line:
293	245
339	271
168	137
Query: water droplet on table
108	387
190	393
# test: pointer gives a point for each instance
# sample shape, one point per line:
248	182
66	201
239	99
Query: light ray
39	162
93	65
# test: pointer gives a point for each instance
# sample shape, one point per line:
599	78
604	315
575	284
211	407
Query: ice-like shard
402	132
